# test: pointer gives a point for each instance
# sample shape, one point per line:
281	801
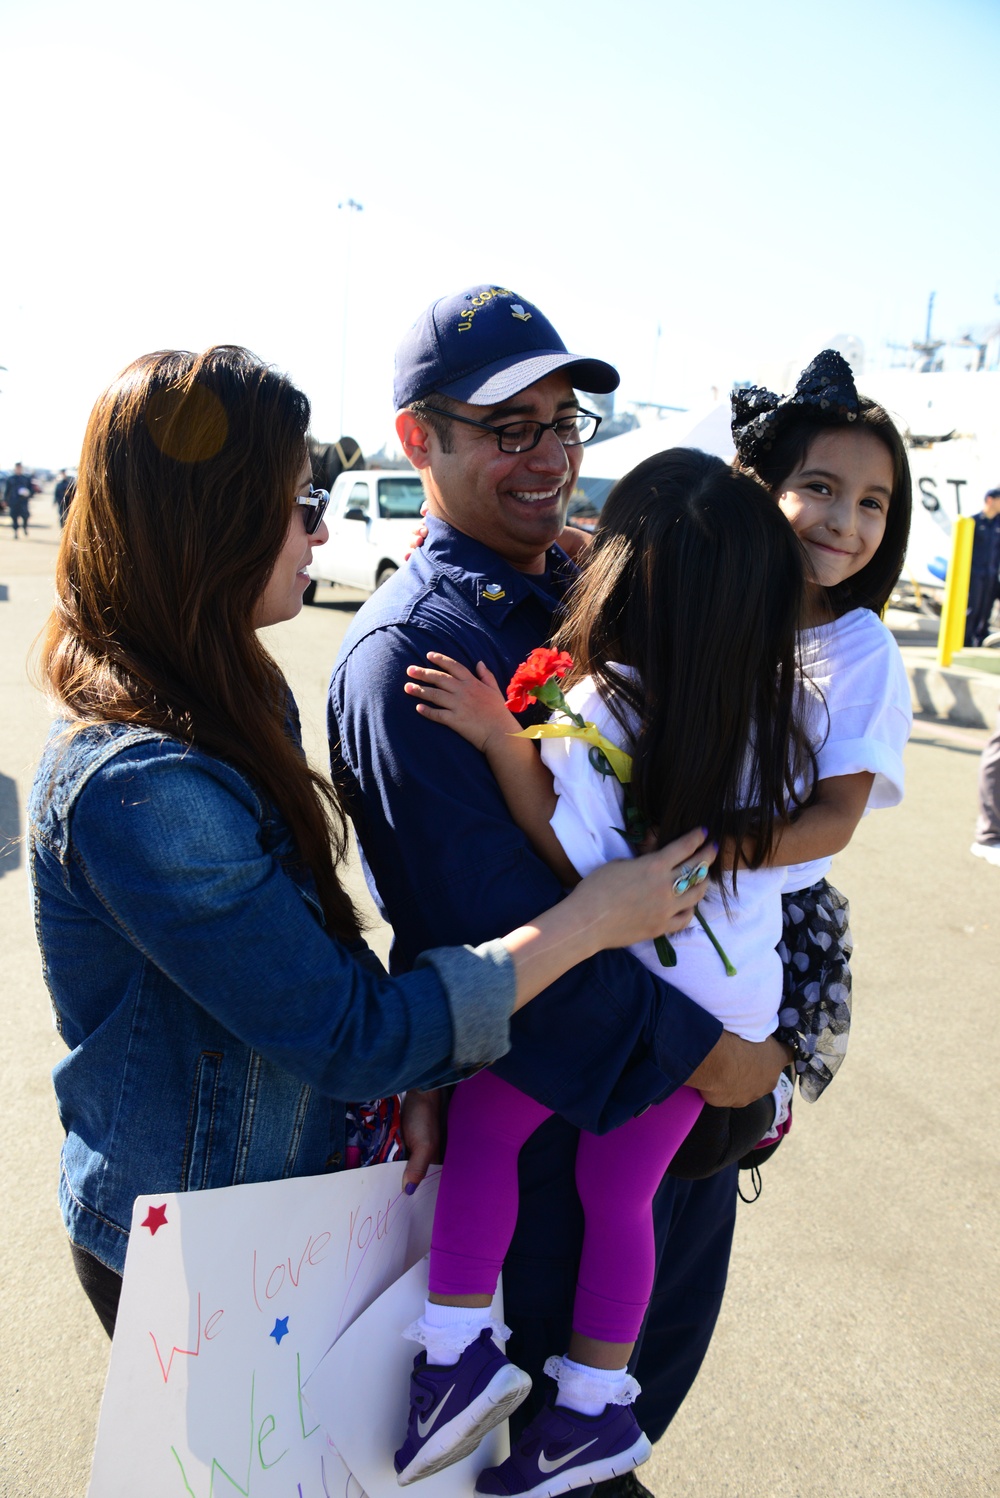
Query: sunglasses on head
314	503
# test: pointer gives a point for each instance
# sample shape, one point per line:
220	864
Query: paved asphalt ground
857	1354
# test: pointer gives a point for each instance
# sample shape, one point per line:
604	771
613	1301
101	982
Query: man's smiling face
514	503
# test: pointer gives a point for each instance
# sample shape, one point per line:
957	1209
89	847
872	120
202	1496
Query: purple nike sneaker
561	1450
452	1408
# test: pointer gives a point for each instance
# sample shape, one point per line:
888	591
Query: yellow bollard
951	635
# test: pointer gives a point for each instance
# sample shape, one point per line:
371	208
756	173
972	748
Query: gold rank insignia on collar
493	591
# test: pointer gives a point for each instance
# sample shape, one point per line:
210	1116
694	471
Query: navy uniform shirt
443	856
986	545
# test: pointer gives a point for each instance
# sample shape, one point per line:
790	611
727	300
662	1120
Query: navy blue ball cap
484	345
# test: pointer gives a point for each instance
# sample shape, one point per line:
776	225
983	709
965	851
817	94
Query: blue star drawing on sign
280	1329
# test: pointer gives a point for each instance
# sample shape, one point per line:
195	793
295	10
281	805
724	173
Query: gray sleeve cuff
480	985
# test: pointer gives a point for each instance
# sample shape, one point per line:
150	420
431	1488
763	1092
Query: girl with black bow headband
836	464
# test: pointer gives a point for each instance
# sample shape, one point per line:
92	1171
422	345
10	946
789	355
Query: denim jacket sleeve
166	847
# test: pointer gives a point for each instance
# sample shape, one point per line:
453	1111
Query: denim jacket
212	1023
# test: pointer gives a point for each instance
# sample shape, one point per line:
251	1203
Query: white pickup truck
371	516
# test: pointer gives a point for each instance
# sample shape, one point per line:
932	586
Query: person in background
987	843
984	581
64	491
18	493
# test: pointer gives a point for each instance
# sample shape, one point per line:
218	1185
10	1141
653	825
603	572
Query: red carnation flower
531	676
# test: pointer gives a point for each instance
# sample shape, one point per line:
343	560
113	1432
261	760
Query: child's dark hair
872	587
695	582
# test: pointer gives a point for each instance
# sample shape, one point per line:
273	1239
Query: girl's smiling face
837	502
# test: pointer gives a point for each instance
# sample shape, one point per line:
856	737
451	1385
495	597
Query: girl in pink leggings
683	634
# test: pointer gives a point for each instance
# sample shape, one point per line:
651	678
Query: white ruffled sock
782	1094
446	1331
587	1390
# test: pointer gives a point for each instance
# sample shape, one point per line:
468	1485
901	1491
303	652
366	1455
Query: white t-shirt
589	811
863	718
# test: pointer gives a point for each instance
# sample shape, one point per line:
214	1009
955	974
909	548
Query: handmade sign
360	1394
231	1300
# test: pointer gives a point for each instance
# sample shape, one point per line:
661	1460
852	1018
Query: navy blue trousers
983	590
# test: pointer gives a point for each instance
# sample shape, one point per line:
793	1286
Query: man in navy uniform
487	413
984	583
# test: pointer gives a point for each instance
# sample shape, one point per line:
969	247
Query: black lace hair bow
825	386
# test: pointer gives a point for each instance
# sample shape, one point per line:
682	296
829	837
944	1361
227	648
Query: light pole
354	207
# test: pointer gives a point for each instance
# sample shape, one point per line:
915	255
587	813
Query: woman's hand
625	901
634	899
421	1128
472	706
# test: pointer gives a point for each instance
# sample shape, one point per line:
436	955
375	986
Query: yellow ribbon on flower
619	761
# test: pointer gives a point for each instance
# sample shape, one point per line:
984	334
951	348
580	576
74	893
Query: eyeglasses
314	504
522	436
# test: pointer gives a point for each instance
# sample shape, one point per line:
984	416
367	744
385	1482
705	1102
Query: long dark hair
185	492
872	587
695	582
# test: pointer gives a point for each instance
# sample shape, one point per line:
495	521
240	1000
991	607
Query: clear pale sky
751	179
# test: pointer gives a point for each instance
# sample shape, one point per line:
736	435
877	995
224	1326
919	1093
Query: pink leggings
616	1176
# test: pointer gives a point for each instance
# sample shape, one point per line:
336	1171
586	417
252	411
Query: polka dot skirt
815	1015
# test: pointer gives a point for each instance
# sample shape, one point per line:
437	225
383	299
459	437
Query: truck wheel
309	596
384	573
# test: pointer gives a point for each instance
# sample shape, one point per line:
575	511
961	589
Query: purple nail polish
410	1187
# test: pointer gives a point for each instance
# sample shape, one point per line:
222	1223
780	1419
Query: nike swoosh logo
424	1427
544	1465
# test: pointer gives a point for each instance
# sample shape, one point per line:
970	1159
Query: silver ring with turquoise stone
688	878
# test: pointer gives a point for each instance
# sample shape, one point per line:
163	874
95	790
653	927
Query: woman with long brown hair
205	963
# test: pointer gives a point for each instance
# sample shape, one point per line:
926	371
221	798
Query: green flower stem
550	694
730	970
665	952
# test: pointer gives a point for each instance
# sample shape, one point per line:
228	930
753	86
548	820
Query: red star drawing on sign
155	1218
